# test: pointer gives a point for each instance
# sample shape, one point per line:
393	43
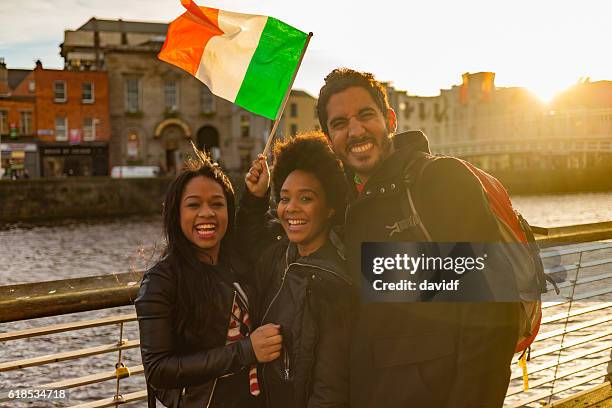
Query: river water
75	249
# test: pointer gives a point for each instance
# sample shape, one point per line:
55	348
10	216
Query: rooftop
124	26
16	76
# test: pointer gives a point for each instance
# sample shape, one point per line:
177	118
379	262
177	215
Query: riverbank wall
532	182
79	197
95	197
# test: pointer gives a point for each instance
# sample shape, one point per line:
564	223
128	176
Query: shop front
85	159
19	160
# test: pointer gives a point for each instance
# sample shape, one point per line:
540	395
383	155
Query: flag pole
266	150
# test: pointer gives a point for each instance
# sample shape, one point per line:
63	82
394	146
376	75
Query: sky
420	46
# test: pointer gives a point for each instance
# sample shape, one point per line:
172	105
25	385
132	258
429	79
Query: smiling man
419	354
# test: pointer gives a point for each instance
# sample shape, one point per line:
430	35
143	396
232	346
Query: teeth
360	148
296	222
205	227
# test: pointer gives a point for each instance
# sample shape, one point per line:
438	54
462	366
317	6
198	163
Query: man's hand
258	178
267	342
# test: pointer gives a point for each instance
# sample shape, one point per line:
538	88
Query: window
26	123
87	92
171	96
89	129
132	95
294	110
61	128
207	100
31	86
294	129
59	91
4	126
245	124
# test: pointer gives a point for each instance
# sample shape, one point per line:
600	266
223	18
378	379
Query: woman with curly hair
199	347
300	272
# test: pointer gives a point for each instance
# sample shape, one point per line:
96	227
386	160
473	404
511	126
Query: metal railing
571	350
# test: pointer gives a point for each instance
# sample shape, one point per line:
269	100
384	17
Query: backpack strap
412	173
542	276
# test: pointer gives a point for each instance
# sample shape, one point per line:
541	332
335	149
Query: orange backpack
525	259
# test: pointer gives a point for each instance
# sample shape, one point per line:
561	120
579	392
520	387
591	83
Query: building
157	109
58	122
72	122
300	114
510	128
18	147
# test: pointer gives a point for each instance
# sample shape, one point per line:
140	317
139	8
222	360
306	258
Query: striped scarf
234	334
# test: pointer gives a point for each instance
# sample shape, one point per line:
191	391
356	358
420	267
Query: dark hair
312	153
342	78
193	283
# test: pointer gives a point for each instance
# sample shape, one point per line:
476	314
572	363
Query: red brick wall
74	109
14	108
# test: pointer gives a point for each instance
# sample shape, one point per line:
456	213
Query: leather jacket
310	297
189	367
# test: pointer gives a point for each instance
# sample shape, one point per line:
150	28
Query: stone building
300	114
510	128
156	108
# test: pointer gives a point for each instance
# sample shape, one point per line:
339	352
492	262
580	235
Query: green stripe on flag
271	68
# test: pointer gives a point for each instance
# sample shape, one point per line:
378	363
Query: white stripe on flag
226	57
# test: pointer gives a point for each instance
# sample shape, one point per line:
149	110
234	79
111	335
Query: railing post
569	311
120	369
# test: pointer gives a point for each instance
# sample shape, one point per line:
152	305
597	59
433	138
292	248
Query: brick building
72	122
18	149
61	119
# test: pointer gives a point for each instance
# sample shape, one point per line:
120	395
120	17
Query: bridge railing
571	352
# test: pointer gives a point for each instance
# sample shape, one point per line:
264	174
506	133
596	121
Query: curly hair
312	153
342	78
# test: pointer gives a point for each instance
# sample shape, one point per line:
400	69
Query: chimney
4	86
96	42
39	64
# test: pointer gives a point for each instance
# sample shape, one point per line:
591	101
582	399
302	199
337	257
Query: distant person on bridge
197	337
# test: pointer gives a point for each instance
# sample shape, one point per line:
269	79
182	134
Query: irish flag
249	60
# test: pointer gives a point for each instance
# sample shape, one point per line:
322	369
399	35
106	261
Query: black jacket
310	298
427	354
191	366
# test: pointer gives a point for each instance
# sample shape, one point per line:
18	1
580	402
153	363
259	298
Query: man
413	354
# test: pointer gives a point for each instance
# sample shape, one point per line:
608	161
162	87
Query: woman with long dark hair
197	341
300	272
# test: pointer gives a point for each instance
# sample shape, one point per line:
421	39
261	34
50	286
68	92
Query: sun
547	90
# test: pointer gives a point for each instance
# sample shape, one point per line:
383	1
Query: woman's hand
258	178
267	342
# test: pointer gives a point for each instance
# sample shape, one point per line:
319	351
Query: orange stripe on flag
188	35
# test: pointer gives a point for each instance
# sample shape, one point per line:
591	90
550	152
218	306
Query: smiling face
304	211
358	130
204	216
